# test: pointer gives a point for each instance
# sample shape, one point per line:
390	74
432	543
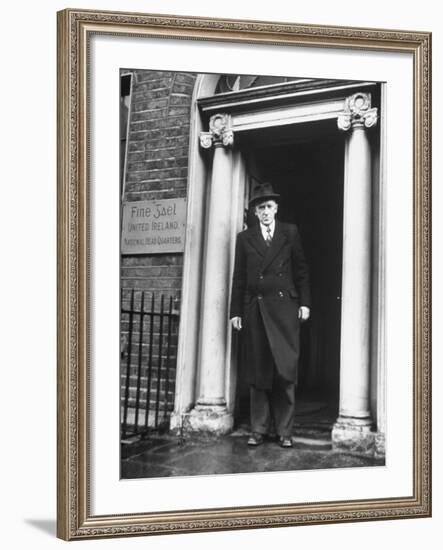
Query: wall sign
153	227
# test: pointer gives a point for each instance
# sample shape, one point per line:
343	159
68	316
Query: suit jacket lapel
278	241
257	241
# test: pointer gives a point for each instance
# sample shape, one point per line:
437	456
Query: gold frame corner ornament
75	27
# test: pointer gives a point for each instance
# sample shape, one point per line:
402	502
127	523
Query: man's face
266	211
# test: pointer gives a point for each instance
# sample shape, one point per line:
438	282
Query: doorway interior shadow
309	176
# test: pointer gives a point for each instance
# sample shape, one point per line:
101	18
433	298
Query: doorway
308	173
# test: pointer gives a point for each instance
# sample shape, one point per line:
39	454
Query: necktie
268	236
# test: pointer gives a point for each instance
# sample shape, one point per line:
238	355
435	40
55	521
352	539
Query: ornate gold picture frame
76	516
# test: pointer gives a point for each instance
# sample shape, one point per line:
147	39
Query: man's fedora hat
261	193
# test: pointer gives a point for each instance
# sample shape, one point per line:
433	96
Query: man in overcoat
270	297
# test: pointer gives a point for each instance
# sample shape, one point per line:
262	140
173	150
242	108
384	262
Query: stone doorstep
158	440
311	435
364	449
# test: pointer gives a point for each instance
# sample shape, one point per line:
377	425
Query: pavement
165	455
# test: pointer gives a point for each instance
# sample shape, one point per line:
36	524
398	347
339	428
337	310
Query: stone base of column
353	435
204	419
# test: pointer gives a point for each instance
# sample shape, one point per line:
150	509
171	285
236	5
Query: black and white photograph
252	273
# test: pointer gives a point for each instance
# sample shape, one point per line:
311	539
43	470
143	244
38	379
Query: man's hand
303	313
236	323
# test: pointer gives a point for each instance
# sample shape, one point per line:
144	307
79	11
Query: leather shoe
286	442
255	440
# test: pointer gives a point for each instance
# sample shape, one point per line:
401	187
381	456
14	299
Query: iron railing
148	352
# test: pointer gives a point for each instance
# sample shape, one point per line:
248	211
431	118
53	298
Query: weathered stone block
215	420
353	436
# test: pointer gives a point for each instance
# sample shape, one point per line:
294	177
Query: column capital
358	112
220	132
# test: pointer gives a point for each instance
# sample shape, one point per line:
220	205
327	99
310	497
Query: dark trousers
277	404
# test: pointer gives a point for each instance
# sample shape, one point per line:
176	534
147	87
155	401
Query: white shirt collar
264	229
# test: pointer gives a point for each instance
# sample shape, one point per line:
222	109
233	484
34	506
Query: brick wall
156	168
157	165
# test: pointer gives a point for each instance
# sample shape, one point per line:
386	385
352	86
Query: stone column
352	429
210	413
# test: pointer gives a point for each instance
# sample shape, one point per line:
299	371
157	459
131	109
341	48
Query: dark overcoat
269	285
